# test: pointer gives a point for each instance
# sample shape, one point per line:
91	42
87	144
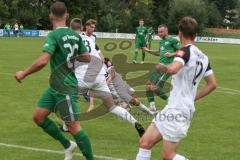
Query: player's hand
168	54
20	75
145	49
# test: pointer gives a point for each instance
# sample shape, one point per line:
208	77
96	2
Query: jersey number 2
198	71
70	55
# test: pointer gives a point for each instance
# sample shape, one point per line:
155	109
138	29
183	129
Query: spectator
16	29
7	29
21	30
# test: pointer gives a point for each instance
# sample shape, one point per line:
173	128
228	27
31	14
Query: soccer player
91	76
150	37
7	29
171	124
166	52
140	40
60	45
121	88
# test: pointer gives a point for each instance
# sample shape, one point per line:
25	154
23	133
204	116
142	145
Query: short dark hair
76	24
162	25
58	9
188	26
90	22
141	19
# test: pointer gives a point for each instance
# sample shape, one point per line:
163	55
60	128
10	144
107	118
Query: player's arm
210	85
36	66
48	50
169	69
91	103
182	57
99	52
176	45
153	52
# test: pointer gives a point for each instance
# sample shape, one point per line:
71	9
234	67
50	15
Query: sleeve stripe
178	59
208	73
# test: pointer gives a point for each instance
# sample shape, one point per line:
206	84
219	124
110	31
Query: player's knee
73	128
134	101
144	143
38	118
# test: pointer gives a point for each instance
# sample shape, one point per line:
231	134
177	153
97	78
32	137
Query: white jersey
185	82
16	27
90	43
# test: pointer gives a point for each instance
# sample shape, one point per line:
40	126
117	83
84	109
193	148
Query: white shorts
173	123
99	84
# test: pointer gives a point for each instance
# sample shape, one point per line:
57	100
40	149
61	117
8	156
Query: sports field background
214	133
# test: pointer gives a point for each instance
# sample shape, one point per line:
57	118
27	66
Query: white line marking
53	151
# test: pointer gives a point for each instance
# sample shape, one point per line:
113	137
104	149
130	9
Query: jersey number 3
198	71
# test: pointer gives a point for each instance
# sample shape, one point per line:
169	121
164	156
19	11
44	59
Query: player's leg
148	140
40	117
134	101
150	95
162	88
143	44
137	46
81	139
71	118
102	91
169	151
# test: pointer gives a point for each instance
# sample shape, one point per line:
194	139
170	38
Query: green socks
84	144
51	128
150	96
135	55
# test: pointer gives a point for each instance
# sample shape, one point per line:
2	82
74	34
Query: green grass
214	132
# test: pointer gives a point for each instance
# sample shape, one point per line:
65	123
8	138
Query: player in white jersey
120	89
188	68
91	76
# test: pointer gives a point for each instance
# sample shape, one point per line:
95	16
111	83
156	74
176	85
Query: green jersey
150	34
170	45
21	27
63	44
8	27
141	33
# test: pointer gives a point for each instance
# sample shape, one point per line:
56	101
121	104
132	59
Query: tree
194	8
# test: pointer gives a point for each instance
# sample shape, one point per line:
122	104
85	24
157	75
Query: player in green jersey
7	29
60	45
140	40
150	37
166	52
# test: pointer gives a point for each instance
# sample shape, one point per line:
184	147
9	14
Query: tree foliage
123	15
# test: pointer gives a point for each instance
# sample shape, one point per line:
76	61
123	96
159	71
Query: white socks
152	106
124	114
179	157
143	108
143	154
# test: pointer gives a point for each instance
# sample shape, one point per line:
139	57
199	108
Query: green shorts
65	106
139	44
159	79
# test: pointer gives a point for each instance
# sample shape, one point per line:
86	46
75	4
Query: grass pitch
214	132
